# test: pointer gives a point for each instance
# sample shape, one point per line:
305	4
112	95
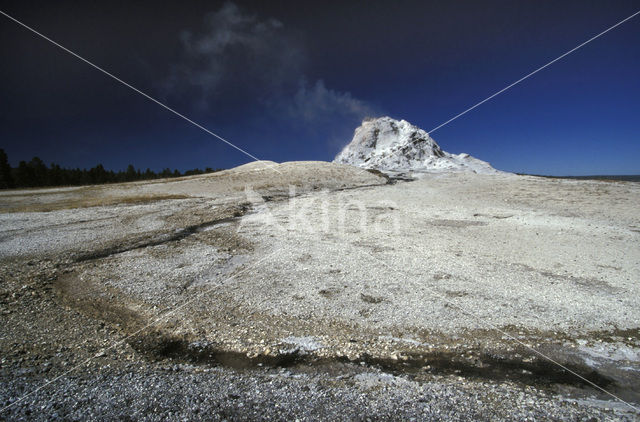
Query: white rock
397	147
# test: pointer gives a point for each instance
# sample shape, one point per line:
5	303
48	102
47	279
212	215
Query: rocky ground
315	290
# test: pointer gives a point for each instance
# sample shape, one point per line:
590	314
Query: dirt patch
87	202
629	337
456	223
100	302
586	282
158	345
329	293
455	293
496	216
380	174
371	298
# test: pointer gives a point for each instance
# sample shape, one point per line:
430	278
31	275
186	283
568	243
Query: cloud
237	55
251	62
317	102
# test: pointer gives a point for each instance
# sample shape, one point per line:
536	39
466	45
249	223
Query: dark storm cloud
255	62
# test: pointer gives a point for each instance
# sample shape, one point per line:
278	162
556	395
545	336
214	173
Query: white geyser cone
398	147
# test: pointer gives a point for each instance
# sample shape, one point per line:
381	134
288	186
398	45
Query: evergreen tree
36	174
193	172
98	175
39	171
130	174
24	175
57	175
6	178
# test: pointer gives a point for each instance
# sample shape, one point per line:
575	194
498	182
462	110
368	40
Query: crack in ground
159	240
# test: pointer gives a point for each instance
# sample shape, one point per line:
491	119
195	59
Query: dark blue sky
291	81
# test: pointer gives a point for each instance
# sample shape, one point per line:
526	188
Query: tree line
35	173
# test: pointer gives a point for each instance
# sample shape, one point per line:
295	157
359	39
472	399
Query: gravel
355	299
183	392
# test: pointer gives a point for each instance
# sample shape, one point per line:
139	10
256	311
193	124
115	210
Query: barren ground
314	290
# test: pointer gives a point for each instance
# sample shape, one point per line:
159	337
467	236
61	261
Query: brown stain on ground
89	202
465	356
100	302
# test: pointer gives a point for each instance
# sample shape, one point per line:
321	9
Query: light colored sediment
445	267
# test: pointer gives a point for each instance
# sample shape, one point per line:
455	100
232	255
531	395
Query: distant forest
36	174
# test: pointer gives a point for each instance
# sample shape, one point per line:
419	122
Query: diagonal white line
483	321
152	323
182	116
533	73
159	319
487	323
493	326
